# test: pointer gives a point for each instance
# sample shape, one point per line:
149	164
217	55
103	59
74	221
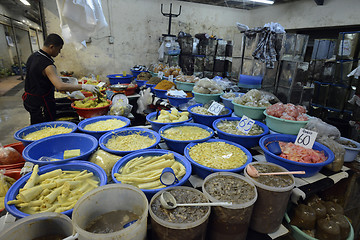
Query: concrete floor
13	116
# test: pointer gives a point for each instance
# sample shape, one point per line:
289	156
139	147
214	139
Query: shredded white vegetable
130	142
185	133
219	155
47	132
105	125
230	127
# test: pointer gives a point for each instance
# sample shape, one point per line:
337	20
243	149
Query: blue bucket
248	81
157	125
153	152
175	101
247	141
18	135
119	78
140	83
69	166
98	134
310	168
55	146
179	146
160	93
206	119
136	73
128	131
203	171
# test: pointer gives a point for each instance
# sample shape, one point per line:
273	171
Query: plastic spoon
168	201
251	170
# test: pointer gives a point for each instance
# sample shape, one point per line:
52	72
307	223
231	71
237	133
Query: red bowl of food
92	112
19	147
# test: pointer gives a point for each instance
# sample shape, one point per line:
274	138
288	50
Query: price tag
124	73
160	75
171	78
245	124
100	84
215	108
306	138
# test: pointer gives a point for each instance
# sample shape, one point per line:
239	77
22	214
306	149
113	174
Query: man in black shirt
42	79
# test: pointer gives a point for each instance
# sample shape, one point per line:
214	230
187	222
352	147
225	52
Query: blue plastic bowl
55	146
206	119
156	125
98	134
69	166
160	93
175	101
151	86
119	78
203	171
128	131
247	141
136	73
153	152
310	168
228	102
140	83
18	135
179	146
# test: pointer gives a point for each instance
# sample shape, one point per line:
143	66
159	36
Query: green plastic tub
205	98
284	126
255	113
188	87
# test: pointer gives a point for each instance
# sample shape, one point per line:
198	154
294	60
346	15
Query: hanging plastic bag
79	19
144	100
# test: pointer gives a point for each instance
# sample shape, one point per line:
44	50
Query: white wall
306	14
136	26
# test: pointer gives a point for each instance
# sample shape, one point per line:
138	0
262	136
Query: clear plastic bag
338	151
120	108
322	128
9	155
105	160
144	100
207	86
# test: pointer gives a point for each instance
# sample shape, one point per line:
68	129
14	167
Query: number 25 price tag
305	138
245	124
215	108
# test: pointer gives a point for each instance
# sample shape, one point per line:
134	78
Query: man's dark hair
53	39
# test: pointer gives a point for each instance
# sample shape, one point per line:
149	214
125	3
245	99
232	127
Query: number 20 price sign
245	124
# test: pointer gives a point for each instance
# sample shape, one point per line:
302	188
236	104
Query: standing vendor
42	79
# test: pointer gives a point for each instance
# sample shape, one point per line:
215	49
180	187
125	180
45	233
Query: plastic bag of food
322	128
105	160
207	86
144	100
120	108
9	155
338	151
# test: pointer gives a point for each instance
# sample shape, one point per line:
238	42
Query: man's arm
50	72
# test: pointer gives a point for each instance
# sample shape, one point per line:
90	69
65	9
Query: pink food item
301	109
302	117
291	110
287	117
297	153
275	110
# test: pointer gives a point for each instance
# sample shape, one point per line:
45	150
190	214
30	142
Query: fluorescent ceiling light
260	1
25	2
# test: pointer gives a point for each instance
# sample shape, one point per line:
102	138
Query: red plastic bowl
128	91
92	112
18	147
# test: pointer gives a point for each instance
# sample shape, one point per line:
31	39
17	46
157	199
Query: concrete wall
136	26
306	14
